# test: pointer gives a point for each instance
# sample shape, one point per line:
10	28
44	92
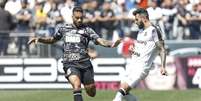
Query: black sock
77	95
123	92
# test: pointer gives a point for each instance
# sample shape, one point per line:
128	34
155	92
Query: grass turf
102	95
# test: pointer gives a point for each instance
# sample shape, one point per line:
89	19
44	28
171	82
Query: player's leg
130	97
123	91
88	81
90	89
73	76
76	83
124	86
135	79
134	75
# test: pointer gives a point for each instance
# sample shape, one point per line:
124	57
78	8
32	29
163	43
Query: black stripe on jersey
159	32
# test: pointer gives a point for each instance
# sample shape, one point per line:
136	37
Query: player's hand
116	43
163	71
33	40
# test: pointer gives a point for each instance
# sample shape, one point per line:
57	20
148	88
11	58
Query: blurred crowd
178	19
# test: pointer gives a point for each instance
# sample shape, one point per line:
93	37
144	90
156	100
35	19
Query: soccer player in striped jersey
76	61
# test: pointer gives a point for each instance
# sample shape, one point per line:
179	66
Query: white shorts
134	74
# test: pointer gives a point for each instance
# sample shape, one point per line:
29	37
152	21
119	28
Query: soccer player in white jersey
148	45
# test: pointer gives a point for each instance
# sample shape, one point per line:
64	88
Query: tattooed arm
48	40
107	43
160	45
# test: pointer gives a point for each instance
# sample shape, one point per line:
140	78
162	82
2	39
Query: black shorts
86	75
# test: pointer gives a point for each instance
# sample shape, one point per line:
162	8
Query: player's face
139	21
78	18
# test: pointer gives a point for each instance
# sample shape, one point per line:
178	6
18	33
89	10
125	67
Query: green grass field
107	95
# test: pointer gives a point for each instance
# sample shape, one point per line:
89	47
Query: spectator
40	17
81	1
194	22
24	17
7	24
107	19
180	30
120	10
66	11
32	3
130	4
142	3
13	6
92	13
169	13
156	15
48	5
53	18
23	27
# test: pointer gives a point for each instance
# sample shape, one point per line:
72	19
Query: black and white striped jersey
75	41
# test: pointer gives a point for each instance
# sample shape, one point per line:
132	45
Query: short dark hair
142	12
77	9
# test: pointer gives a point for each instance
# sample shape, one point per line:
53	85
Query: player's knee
75	82
76	86
91	90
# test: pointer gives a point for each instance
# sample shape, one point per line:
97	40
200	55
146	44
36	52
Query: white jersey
145	50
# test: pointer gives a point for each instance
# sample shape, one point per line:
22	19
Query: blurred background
39	66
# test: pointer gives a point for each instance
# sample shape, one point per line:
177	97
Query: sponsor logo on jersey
73	39
81	31
72	56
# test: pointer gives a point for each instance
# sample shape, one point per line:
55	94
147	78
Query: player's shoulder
65	26
157	30
87	27
151	29
156	27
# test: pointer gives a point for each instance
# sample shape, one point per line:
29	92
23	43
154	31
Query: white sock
118	97
130	97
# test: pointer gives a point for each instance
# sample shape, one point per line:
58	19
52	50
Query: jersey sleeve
93	35
58	32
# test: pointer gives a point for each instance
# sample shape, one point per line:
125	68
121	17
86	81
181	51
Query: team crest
81	31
